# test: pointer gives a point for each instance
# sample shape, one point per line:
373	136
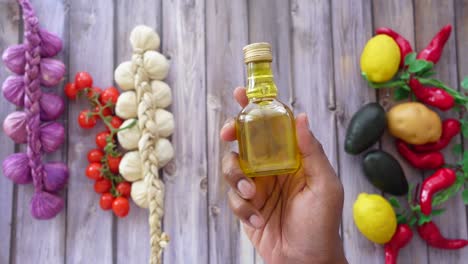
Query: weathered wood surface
317	46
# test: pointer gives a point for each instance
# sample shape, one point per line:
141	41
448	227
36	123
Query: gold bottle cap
260	51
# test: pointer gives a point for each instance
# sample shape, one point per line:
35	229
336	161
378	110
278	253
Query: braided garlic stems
146	103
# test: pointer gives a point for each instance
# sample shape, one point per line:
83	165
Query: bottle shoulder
266	107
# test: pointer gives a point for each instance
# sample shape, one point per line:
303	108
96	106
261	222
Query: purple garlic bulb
52	136
56	176
52	72
16	168
45	205
13	90
14	59
14	126
51	44
52	106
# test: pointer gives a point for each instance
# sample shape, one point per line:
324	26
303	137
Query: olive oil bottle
265	128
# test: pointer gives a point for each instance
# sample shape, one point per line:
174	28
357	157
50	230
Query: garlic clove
46	205
55	176
51	44
14	58
52	136
16	168
164	152
124	76
130	166
52	72
139	194
165	122
14	126
13	89
144	38
156	65
52	106
162	93
126	106
128	138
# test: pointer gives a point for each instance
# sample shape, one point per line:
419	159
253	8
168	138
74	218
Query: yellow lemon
380	58
374	217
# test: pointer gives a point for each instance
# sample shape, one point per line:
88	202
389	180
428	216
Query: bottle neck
260	81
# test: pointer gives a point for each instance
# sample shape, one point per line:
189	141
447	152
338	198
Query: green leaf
405	75
420	66
465	196
464	83
410	58
401	219
437	212
465	129
410	193
401	94
423	219
412	221
394	202
457	149
427	74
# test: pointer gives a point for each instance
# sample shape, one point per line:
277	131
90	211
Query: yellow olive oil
265	127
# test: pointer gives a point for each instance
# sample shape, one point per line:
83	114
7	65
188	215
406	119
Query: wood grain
9	35
186	213
226	34
89	229
133	231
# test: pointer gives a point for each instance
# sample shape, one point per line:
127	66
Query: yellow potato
414	123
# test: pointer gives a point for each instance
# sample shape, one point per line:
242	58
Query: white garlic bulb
165	122
128	138
156	65
164	151
139	194
162	93
130	166
126	106
144	38
124	76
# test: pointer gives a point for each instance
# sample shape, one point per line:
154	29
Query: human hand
291	218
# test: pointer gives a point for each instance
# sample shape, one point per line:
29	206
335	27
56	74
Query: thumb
315	163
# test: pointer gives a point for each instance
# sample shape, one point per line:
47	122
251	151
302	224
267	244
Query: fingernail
256	221
245	188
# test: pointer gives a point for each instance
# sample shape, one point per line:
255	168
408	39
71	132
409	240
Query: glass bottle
265	128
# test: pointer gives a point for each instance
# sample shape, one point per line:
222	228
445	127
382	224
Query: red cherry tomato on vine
109	95
83	80
71	91
106	201
124	188
93	171
86	119
113	163
106	111
116	122
121	206
95	155
93	91
101	139
102	186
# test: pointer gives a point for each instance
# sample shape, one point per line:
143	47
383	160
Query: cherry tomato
101	139
121	206
109	95
105	111
93	171
116	122
95	155
93	91
86	119
113	163
83	80
106	201
71	91
102	186
124	188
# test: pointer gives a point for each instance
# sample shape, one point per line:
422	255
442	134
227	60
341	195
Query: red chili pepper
450	128
400	239
431	234
403	44
432	96
433	51
426	161
441	179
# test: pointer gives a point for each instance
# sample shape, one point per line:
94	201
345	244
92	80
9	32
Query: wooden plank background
316	49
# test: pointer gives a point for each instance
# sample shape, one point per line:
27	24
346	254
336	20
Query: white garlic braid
146	67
